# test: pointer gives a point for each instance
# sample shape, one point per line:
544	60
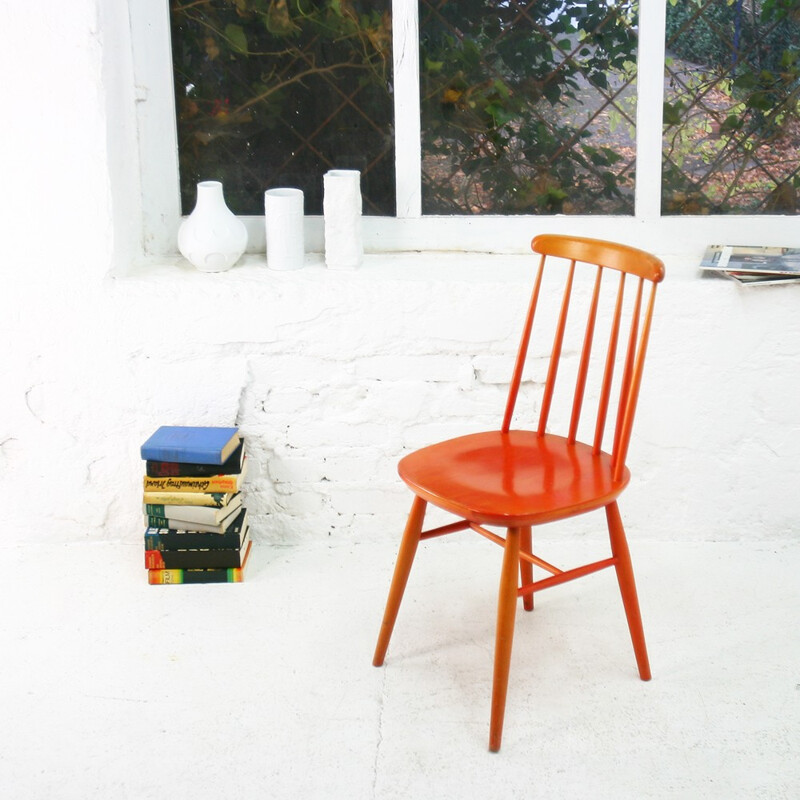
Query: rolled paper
283	217
341	206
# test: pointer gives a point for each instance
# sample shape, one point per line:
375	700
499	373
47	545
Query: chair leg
506	612
525	567
627	587
405	558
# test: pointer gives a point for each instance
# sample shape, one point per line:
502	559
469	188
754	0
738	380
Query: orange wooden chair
515	479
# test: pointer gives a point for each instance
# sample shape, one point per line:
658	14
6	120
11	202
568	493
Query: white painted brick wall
715	452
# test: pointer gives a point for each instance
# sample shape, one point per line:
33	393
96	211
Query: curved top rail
597	251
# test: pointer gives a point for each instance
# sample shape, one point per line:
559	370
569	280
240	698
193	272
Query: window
731	121
528	107
472	121
276	93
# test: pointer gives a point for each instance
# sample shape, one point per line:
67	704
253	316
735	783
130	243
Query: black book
195	559
171	539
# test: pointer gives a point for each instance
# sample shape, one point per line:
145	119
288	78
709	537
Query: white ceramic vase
341	206
283	217
212	238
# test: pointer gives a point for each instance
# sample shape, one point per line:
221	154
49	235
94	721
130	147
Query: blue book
188	443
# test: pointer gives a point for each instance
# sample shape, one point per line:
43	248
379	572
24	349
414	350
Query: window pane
731	122
276	92
528	106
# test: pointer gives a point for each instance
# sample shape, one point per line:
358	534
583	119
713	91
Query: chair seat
512	479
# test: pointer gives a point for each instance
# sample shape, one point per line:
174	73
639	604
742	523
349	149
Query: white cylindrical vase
283	218
212	238
341	206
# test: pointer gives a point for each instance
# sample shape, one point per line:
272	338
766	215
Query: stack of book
197	528
753	266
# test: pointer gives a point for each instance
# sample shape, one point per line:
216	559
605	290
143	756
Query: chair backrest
618	361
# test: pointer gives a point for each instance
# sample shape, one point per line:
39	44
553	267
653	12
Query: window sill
430	266
411	266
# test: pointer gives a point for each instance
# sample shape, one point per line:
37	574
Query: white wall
331	376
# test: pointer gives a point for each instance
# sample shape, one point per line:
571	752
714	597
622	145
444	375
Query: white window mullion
155	112
408	158
650	107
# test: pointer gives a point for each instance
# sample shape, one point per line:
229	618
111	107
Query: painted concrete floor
115	689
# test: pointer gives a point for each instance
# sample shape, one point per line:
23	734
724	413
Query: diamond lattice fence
528	106
731	113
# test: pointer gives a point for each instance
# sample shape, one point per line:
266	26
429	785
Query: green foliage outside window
732	107
712	33
519	104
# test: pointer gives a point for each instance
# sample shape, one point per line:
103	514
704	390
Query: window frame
409	230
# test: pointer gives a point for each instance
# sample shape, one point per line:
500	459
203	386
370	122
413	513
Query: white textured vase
341	206
211	237
283	218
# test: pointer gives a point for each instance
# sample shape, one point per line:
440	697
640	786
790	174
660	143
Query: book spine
186	498
217	483
200	456
157	522
152	560
175	469
173	535
174	540
181	527
164	576
192	559
187	516
192	513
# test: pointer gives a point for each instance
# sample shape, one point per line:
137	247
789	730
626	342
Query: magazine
751	265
